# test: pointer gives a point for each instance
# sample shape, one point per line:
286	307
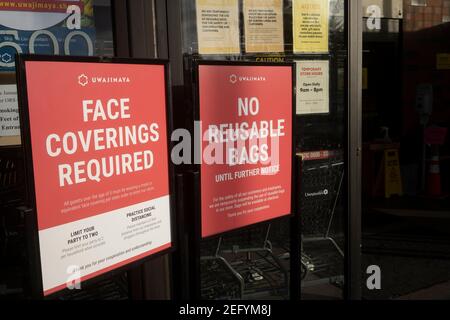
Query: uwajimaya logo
235	78
84	80
324	192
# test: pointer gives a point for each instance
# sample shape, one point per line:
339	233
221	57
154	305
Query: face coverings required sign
100	159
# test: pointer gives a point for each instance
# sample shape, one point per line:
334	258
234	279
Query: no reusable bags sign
246	116
98	135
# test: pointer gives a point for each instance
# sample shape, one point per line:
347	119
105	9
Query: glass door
322	141
256	263
406	148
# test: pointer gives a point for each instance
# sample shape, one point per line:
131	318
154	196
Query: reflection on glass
79	29
406	147
255	263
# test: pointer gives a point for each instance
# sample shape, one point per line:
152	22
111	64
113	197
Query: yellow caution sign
443	61
393	177
310	25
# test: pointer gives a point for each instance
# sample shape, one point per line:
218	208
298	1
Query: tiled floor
436	292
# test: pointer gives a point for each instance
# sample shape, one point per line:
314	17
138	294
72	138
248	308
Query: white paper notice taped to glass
263	21
9	111
218	26
313	83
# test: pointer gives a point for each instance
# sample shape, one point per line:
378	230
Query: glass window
406	167
75	27
255	263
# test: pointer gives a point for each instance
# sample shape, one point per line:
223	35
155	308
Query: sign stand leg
196	240
296	233
186	262
34	283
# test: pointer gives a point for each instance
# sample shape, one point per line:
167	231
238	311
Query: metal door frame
155	31
354	22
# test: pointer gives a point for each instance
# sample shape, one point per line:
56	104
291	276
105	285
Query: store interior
406	167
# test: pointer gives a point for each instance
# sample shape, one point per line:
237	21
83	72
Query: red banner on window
100	166
246	114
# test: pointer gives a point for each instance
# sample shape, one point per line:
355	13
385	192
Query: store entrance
406	165
256	262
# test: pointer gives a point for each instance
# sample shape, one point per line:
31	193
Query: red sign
246	117
99	146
